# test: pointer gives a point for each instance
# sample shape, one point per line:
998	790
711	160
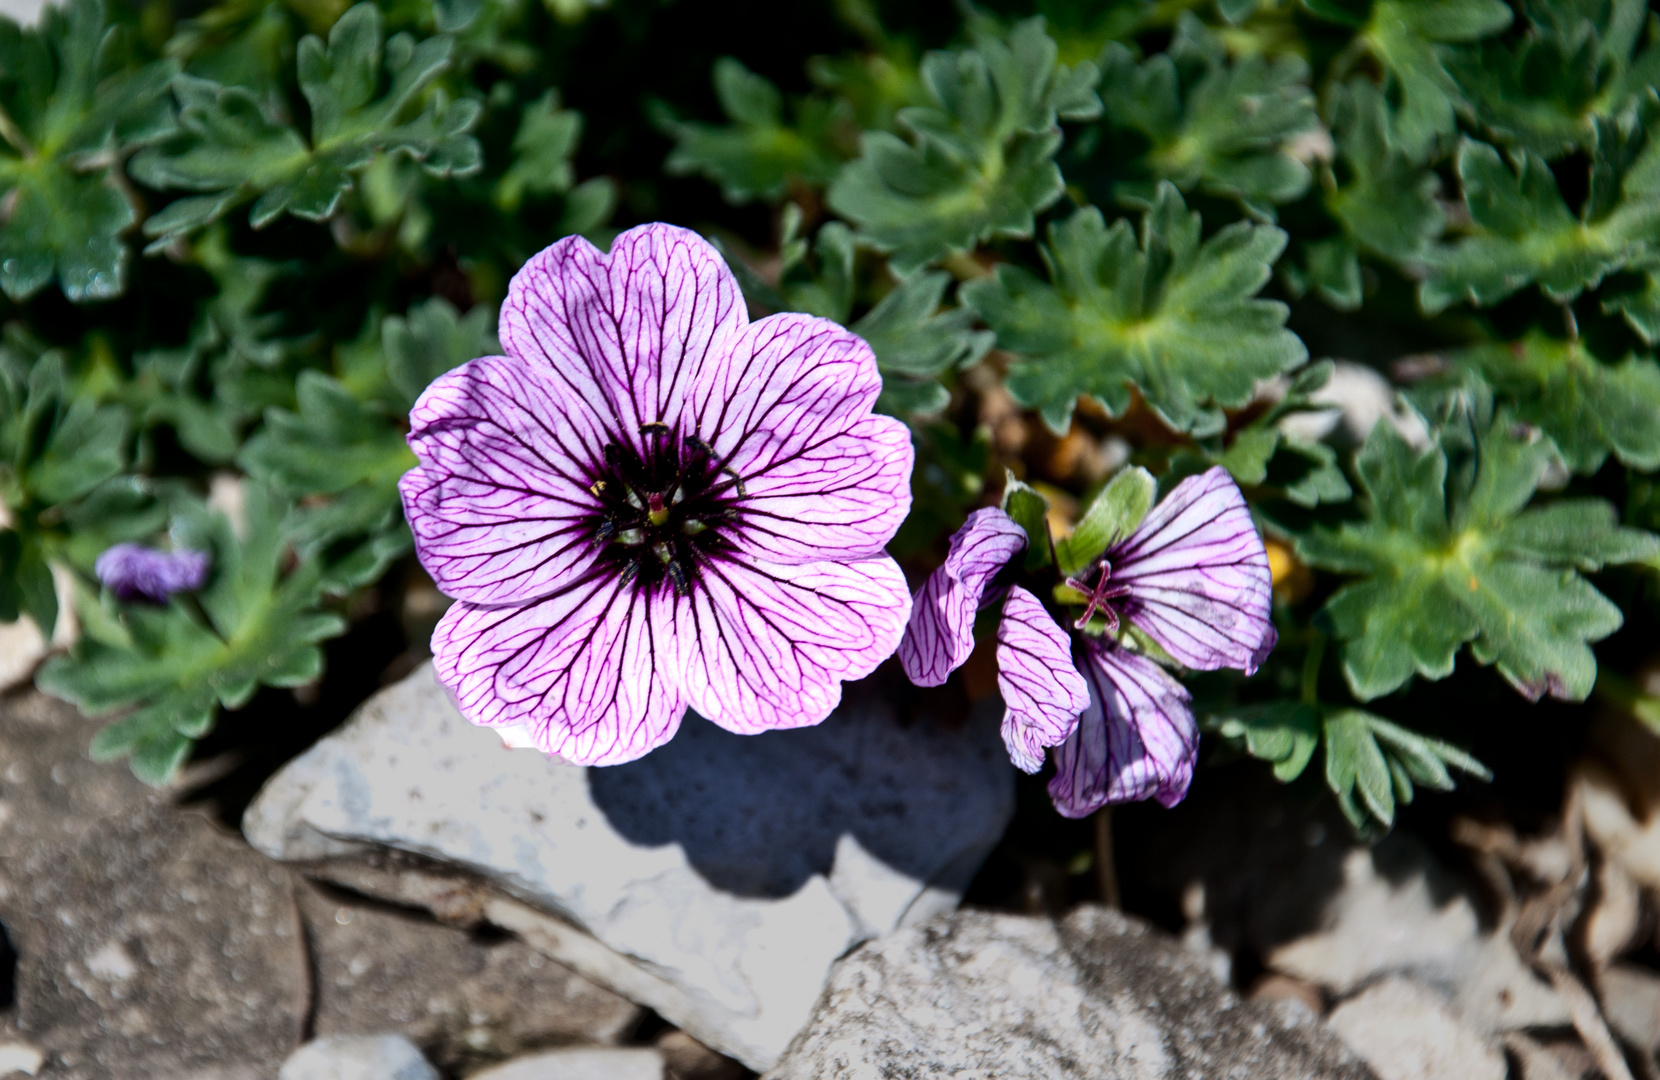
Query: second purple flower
1188	579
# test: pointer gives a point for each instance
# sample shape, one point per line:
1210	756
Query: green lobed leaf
757	155
1578	64
1283	733
1410	38
1523	232
67	121
1590	408
979	162
915	341
233	148
1224	126
1171	318
1446	559
1387	203
431	340
1372	764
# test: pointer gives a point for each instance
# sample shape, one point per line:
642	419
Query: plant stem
1312	660
1106	874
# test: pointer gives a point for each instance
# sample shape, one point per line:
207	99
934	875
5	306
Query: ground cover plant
1103	253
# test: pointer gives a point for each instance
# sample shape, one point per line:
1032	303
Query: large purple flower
651	503
135	572
1192	577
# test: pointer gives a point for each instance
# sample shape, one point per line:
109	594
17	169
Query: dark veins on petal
664	513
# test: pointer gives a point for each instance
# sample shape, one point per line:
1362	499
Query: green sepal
1029	510
1112	515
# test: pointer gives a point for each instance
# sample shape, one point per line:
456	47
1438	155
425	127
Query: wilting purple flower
651	503
1193	577
134	572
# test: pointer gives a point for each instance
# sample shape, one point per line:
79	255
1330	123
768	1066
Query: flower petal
789	411
941	631
583	670
498	501
625	333
768	645
1042	690
1198	576
1137	739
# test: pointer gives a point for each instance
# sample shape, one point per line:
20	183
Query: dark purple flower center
664	512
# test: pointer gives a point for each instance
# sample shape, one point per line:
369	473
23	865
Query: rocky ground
417	903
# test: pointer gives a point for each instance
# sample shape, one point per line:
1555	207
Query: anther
736	479
654	427
597	488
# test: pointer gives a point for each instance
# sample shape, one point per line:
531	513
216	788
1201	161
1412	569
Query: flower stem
1106	873
1311	667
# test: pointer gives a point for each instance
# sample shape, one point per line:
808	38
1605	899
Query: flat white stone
716	879
605	1063
358	1057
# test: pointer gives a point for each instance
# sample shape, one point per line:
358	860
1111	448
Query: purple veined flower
652	503
1192	577
135	572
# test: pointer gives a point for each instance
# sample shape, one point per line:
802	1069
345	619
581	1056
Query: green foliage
1149	205
1261	455
1224	125
1577	66
230	146
1387	203
757	155
1030	510
1172	317
979	162
69	116
1588	407
1522	230
1410	38
1448	554
175	667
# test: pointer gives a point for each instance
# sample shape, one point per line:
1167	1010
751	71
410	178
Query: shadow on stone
758	815
8	971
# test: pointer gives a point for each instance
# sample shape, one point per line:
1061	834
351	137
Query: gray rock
466	999
150	943
603	1064
1406	1032
715	880
358	1057
1097	996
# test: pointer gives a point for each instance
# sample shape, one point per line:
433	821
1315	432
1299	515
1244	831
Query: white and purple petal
940	635
500	503
625	334
788	411
1136	740
1043	694
1196	577
768	645
582	671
